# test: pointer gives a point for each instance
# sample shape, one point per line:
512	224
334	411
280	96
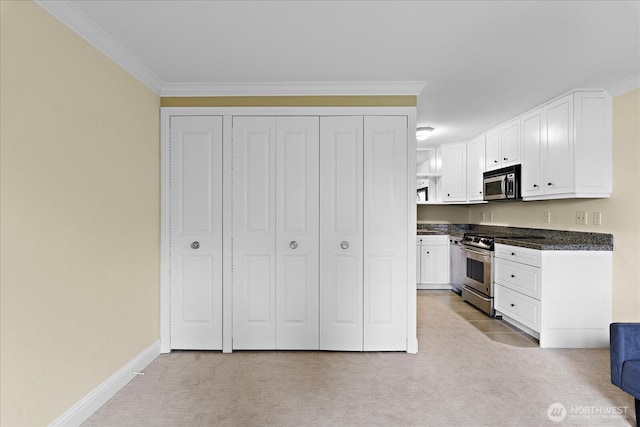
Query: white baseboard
82	410
442	286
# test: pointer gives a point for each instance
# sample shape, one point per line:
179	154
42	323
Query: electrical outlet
491	216
597	218
547	217
483	216
581	217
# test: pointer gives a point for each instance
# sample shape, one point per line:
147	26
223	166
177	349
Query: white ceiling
483	61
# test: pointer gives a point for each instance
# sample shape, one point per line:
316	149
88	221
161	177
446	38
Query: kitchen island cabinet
562	297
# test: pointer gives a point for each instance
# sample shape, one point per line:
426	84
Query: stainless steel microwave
502	184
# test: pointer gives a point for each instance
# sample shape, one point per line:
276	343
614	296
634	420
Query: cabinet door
475	168
493	150
418	263
341	233
534	138
297	232
559	151
385	233
196	232
511	144
434	262
254	232
454	172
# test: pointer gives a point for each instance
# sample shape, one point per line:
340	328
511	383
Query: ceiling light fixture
423	133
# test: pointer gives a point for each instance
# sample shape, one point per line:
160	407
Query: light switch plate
597	218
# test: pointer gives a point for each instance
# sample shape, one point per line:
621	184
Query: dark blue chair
625	359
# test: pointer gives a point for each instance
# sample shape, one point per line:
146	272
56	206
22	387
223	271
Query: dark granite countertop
533	238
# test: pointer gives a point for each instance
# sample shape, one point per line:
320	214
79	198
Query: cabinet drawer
518	254
519	277
432	240
522	308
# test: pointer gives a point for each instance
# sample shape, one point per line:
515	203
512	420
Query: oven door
478	272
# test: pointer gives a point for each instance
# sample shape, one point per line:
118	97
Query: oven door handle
484	254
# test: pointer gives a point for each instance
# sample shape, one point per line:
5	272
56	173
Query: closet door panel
196	232
385	225
297	233
254	233
341	233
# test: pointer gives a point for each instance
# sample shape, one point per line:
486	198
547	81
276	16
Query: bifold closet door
196	232
275	232
297	233
385	233
341	233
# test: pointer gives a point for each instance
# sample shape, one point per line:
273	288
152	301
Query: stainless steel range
477	288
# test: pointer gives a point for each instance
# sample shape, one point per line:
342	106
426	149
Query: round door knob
495	161
513	254
513	275
535	185
293	244
195	245
513	305
549	184
505	159
344	244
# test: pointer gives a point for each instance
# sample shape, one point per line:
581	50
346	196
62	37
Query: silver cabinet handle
195	245
293	244
344	244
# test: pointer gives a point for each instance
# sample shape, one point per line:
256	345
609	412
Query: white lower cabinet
432	254
320	217
563	298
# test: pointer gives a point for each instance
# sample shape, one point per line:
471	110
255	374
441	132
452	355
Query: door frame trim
227	114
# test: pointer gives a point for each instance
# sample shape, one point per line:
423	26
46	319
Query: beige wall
620	213
79	217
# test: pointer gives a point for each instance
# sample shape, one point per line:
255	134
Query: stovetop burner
486	240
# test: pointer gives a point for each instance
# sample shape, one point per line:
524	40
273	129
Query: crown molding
67	13
294	89
625	85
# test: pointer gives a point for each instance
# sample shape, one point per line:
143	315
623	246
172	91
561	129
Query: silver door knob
344	244
195	245
293	244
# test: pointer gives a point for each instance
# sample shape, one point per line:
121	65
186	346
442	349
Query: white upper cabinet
564	147
533	139
503	146
475	167
567	148
454	172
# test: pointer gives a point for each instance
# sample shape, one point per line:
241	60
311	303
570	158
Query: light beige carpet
459	378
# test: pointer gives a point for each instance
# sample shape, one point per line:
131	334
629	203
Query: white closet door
297	232
254	232
341	233
385	231
196	232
